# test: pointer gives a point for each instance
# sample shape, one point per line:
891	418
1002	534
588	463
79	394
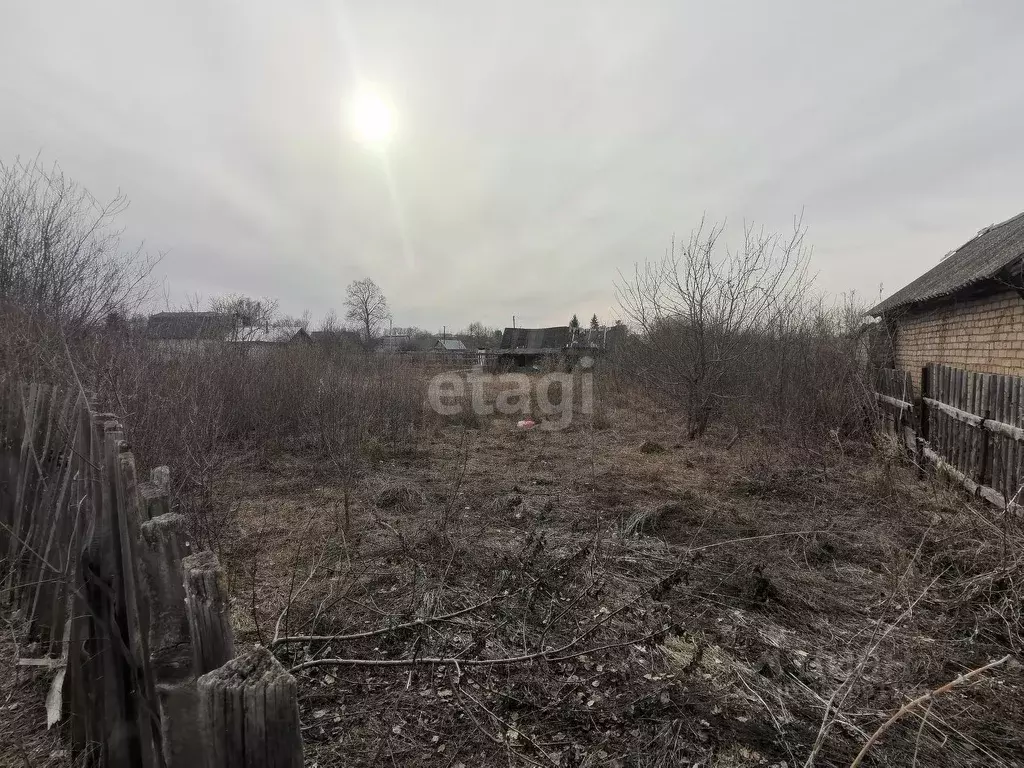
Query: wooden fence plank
984	437
1011	385
144	702
968	431
997	442
164	544
250	713
954	400
926	384
206	597
971	433
946	421
977	435
1019	453
1009	444
981	435
995	397
1004	414
1000	486
116	722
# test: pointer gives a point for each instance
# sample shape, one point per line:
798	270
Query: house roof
557	337
272	335
981	258
451	345
189	325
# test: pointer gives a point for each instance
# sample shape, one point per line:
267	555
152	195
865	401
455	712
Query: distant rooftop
189	325
556	337
560	337
452	345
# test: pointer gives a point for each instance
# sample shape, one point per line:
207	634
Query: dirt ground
697	605
614	595
24	740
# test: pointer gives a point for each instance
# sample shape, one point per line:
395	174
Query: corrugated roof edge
905	296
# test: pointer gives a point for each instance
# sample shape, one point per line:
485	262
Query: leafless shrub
61	256
365	399
249	315
736	336
195	407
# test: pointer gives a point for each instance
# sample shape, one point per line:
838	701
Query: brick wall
983	334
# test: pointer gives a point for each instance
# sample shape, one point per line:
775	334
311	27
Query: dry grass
24	740
788	602
720	602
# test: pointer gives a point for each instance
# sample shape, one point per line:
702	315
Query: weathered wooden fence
969	424
98	574
895	395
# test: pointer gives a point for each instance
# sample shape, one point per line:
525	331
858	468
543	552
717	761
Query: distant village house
449	346
181	331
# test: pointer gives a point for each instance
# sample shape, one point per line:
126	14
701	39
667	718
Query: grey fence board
970	423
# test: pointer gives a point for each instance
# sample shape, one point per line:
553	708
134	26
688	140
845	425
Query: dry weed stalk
551	655
927	697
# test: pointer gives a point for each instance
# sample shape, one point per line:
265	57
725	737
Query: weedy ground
612	594
669	602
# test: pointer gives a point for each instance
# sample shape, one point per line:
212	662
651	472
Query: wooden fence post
923	425
161	478
213	642
249	709
926	392
987	440
164	544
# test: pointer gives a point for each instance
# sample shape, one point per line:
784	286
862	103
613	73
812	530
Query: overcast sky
540	146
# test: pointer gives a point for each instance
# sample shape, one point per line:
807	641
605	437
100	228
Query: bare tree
303	321
330	322
367	308
249	316
61	257
478	335
700	308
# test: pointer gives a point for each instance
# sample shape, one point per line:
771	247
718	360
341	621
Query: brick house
966	311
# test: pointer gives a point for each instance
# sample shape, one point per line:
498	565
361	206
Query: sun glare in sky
373	118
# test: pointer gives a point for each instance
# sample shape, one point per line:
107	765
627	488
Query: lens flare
373	119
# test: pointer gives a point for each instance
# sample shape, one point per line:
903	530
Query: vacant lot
612	594
694	604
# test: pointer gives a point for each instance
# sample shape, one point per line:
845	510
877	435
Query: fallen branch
921	700
375	632
552	655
